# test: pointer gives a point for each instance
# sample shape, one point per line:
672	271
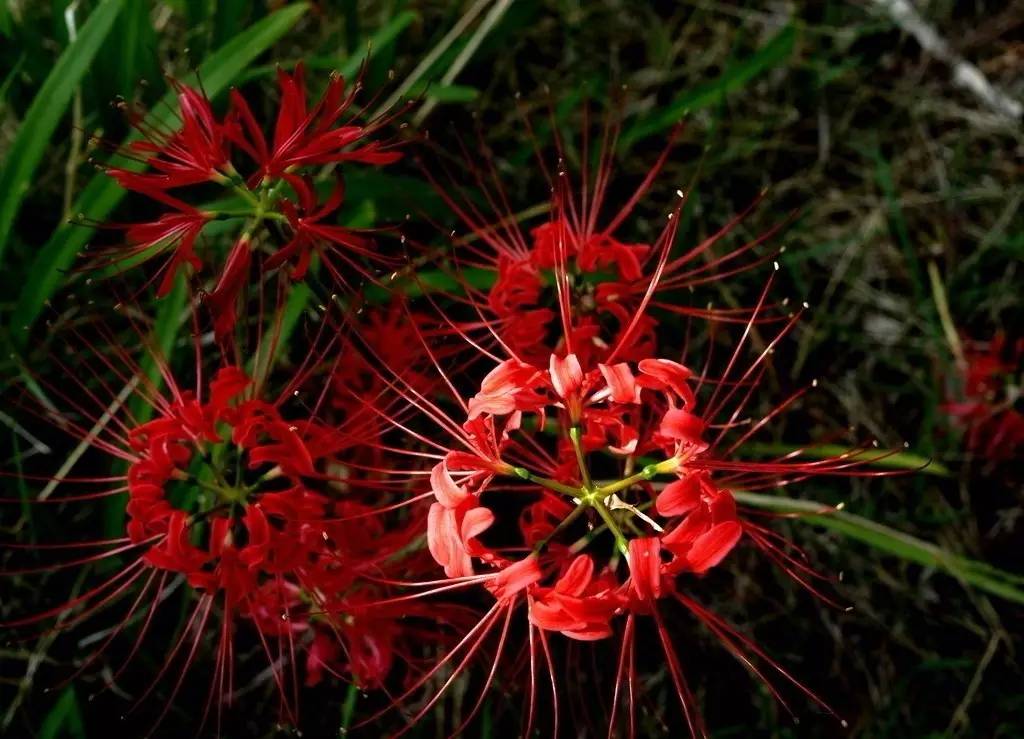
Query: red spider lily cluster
430	488
266	182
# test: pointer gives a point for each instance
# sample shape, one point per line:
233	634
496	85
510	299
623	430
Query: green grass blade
228	19
64	719
457	64
102	194
885	539
47	110
434	55
348	708
9	79
381	38
771	55
899	461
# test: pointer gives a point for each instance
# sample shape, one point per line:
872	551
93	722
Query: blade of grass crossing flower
102	194
348	708
900	461
47	110
171	315
885	539
291	312
775	52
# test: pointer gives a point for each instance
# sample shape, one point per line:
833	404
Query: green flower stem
228	214
523	473
647	473
574	437
606	515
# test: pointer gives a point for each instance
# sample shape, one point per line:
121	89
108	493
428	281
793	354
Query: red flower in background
985	408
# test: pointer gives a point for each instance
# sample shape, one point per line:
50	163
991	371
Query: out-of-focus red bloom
985	407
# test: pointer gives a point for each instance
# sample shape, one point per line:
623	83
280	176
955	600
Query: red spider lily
305	136
175	231
575	259
273	230
232	493
197	151
548	494
340	248
985	406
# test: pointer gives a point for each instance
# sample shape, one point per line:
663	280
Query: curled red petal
711	548
680	496
682	426
621	382
566	375
444	488
515	578
645	568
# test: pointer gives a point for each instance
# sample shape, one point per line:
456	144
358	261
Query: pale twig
945	317
428	61
965	74
960	718
489	21
89	438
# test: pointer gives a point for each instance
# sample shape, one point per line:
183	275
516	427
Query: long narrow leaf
47	110
772	54
898	461
381	38
885	539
